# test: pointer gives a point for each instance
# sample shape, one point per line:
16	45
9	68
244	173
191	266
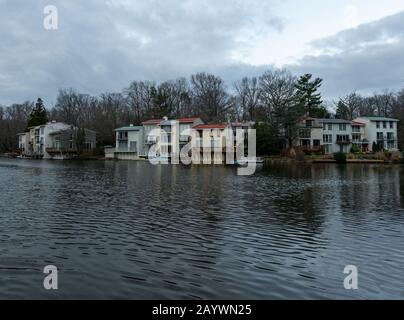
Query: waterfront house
381	131
310	134
338	135
209	143
129	143
56	140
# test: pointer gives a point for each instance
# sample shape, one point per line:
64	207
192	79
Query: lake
131	230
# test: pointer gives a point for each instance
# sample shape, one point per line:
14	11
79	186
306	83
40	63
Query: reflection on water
133	230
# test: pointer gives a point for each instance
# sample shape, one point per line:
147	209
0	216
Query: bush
355	149
396	157
340	157
380	155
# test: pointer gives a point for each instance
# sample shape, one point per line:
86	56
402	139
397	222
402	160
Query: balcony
343	141
151	140
60	150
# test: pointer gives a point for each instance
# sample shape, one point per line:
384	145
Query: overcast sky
102	45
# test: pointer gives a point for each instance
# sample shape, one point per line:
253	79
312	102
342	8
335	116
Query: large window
123	136
356	137
380	136
356	129
343	138
133	146
342	127
305	133
327	138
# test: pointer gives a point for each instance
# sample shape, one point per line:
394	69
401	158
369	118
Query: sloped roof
210	126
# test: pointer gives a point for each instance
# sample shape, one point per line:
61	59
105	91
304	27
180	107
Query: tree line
275	100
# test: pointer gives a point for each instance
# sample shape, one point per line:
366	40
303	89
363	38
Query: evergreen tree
38	115
308	97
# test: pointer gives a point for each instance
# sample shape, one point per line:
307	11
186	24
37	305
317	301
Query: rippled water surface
136	231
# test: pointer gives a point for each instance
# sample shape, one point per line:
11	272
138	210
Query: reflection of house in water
56	140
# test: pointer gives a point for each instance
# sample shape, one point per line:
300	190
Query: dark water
133	230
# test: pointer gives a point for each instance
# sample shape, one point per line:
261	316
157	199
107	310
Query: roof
210	126
379	119
357	123
187	120
333	121
152	121
130	128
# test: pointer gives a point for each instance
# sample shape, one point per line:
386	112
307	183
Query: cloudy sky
102	45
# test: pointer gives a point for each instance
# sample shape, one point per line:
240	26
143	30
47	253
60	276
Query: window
305	133
123	136
384	124
356	137
329	127
122	146
327	138
343	138
390	136
380	136
316	143
342	127
391	125
309	123
377	124
356	129
133	146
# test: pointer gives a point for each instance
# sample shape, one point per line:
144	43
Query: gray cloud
103	45
367	59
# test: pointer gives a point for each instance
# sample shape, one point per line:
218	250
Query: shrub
380	155
355	149
396	156
340	157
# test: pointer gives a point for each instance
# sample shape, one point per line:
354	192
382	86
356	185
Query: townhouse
56	140
165	139
338	135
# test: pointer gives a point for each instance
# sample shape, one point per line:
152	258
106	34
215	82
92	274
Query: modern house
380	130
207	143
129	143
338	135
135	142
56	140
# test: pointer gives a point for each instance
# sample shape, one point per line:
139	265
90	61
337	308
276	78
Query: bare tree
348	107
277	90
210	98
248	97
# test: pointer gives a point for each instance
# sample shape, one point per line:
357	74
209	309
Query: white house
55	140
134	142
129	143
337	135
380	130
